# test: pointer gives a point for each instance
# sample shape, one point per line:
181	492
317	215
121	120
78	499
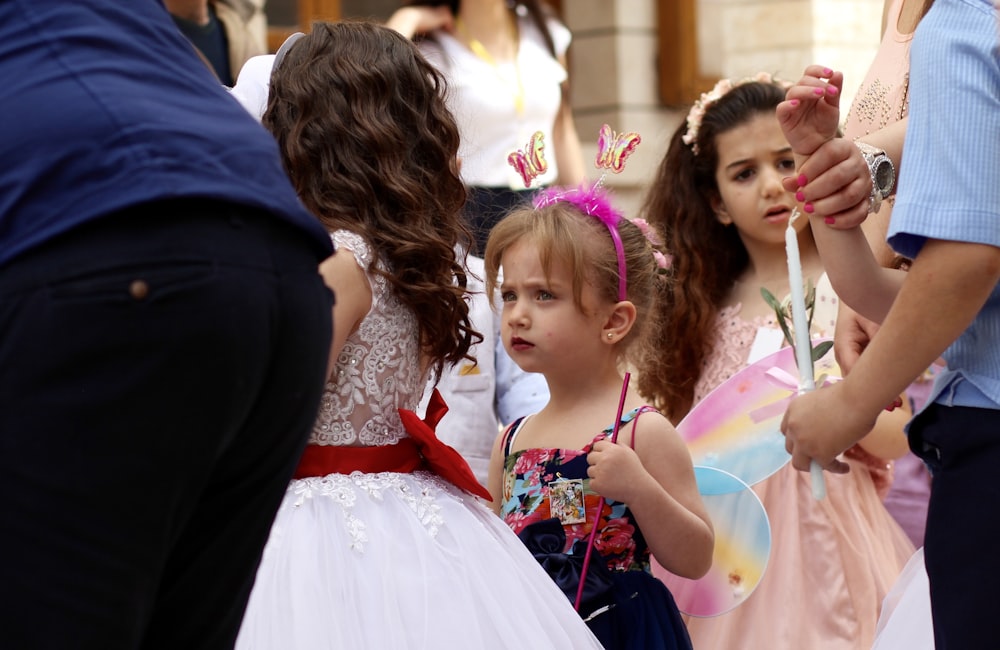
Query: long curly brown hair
708	257
370	146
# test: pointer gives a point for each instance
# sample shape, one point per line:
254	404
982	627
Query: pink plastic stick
600	502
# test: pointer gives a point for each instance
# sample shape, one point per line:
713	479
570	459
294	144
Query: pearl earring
610	335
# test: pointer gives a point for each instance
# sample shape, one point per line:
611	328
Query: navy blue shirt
211	39
105	105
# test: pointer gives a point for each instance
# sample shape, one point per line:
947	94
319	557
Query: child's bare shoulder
654	427
661	448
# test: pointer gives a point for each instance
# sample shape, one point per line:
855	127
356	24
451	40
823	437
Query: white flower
707	100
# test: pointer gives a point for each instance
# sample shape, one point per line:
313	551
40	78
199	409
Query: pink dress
883	97
832	561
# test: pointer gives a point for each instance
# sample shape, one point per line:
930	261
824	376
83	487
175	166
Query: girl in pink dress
718	198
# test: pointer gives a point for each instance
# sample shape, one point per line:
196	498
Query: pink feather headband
592	201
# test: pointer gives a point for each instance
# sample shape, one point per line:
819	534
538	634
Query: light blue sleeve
949	182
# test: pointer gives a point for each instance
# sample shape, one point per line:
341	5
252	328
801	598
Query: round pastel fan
737	427
742	547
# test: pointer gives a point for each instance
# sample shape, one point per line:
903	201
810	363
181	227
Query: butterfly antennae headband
612	151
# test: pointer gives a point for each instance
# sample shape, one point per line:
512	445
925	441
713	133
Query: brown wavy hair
564	234
367	141
708	257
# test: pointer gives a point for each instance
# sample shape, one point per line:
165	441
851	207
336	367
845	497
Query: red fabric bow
441	459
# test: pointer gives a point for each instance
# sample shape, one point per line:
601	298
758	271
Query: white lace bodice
378	369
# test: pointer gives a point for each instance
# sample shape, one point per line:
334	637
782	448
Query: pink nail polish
808	207
832	90
829	221
800	197
802	180
817	91
827	72
794	102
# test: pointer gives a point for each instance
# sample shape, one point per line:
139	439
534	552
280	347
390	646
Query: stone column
613	72
614	66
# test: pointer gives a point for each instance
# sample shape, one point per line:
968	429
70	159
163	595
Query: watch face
884	176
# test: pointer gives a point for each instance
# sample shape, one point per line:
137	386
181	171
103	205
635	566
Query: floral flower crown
663	261
612	151
707	100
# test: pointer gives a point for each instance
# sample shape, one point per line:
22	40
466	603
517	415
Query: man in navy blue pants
164	333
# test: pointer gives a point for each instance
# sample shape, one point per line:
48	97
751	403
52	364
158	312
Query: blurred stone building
637	64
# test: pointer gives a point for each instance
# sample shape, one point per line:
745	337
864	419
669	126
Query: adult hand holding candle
803	346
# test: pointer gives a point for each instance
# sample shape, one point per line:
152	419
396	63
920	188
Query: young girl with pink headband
580	287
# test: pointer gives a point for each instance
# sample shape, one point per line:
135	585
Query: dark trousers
160	370
962	448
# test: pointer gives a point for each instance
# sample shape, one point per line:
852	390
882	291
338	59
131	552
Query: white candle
800	324
800	321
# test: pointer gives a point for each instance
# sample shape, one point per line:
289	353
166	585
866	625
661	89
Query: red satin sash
422	450
320	460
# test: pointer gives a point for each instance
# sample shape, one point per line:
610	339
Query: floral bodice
535	479
731	345
377	371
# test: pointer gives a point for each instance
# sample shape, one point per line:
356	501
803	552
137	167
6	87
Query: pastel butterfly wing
522	166
531	164
614	149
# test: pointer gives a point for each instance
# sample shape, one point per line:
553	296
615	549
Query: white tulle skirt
905	622
390	561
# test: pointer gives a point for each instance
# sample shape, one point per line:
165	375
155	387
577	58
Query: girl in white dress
372	547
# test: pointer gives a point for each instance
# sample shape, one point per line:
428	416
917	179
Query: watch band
882	172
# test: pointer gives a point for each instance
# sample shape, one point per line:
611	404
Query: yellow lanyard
517	90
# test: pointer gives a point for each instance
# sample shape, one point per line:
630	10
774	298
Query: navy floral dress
548	503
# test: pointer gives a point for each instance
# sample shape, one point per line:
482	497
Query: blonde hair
565	234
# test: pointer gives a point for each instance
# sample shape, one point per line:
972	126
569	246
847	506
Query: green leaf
815	353
820	350
788	334
779	314
810	294
770	300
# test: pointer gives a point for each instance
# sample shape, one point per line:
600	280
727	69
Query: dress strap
635	419
510	433
631	416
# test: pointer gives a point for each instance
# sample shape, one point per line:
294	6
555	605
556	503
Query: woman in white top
505	64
